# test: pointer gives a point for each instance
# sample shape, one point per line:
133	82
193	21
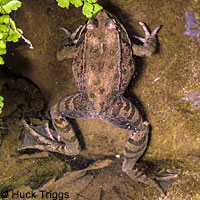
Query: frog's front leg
125	115
63	139
149	42
67	46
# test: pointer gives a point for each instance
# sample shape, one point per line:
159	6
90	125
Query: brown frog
103	66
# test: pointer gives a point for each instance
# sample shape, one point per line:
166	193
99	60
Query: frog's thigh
123	114
73	106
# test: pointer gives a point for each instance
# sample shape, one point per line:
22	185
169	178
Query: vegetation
1	103
8	30
90	7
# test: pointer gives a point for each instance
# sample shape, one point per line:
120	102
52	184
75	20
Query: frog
103	66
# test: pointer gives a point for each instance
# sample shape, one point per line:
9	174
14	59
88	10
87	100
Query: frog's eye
111	24
92	24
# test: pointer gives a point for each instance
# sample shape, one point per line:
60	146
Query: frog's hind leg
63	139
125	115
74	106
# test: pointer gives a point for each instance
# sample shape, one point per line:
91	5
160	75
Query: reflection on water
192	24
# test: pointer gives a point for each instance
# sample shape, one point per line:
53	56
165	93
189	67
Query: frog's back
103	63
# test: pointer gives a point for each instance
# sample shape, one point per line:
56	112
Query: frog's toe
167	177
67	32
155	31
147	33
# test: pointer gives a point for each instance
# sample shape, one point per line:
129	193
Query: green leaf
2	51
2	44
9	6
63	3
91	1
4	28
1	63
15	39
8	30
72	2
97	8
87	9
20	30
1	98
90	7
13	36
7	20
3	36
12	23
78	3
4	18
4	2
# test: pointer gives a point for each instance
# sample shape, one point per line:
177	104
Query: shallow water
165	88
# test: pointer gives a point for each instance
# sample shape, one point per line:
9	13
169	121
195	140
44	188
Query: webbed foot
42	138
166	179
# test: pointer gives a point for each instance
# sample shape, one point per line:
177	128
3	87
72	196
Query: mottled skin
103	66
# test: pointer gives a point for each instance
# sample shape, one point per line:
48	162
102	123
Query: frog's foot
72	36
149	41
165	179
42	138
148	35
66	48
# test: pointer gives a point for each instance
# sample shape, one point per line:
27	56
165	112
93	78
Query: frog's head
102	20
102	31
